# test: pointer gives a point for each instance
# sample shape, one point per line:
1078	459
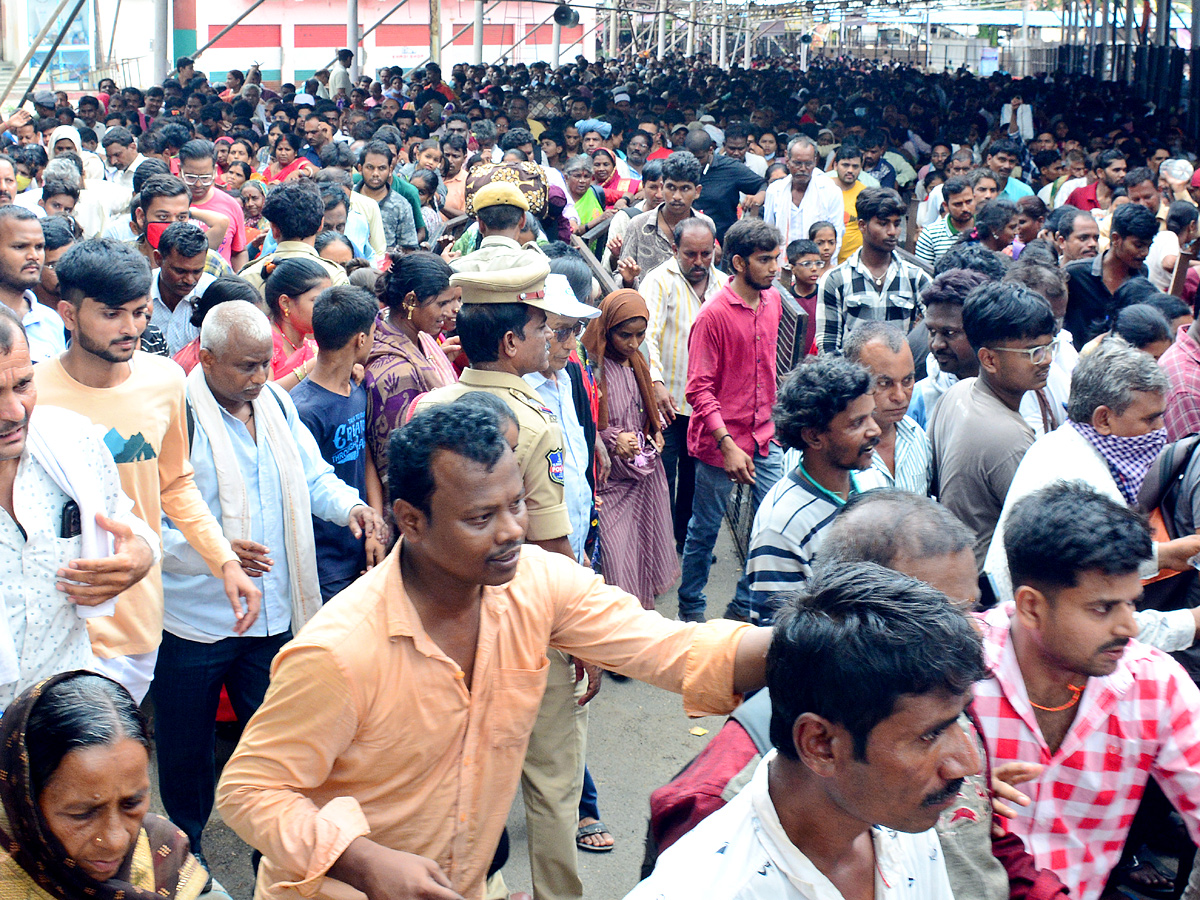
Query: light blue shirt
1014	190
196	608
43	330
357	230
576	490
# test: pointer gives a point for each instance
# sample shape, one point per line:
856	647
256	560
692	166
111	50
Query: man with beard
55	463
870	671
847	162
958	198
825	419
873	284
1068	675
731	380
649	239
903	457
8	180
1076	235
795	204
977	430
22	255
1110	171
674	293
950	355
138	399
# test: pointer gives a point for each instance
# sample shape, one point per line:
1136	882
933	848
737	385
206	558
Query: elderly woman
406	359
588	199
606	174
286	162
75	742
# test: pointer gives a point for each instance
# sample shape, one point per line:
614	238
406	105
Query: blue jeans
713	488
589	805
186	690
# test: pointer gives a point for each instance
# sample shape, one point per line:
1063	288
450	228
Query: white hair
233	316
62	169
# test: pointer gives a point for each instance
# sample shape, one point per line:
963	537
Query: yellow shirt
852	237
369	729
147	436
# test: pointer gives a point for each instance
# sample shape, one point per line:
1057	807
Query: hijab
620	306
26	837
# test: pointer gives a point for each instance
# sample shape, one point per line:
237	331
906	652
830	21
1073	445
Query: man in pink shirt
731	389
198	169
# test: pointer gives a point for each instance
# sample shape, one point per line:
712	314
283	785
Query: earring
408	313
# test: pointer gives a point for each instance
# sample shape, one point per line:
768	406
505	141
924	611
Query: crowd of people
316	418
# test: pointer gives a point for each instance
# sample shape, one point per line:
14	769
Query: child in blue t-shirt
334	408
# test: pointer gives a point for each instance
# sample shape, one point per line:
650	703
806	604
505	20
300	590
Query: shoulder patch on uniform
558	469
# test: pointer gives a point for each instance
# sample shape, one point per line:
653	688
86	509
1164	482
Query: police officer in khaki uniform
502	325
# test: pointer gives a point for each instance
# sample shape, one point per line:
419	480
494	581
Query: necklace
283	334
1076	692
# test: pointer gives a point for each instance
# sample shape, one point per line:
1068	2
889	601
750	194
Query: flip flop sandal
1125	876
587	831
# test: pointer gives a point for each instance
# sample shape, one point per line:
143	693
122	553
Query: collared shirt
1181	362
848	294
176	324
124	177
742	852
48	634
822	202
1090	303
399	226
577	492
913	457
1139	721
369	727
1085	197
1015	189
539	446
292	250
44	330
646	243
731	377
673	307
722	184
196	608
934	240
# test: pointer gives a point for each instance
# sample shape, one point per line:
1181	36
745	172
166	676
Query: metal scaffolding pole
477	36
528	34
1127	59
748	50
162	41
352	37
691	31
1102	44
724	61
37	42
555	45
454	37
662	28
614	30
435	31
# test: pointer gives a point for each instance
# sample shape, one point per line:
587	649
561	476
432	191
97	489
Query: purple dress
397	371
637	542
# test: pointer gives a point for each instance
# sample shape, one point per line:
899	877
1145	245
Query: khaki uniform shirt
539	448
291	250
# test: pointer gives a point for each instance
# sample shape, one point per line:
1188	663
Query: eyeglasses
1037	355
564	334
810	264
198	179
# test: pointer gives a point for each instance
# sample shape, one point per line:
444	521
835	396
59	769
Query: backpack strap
755	716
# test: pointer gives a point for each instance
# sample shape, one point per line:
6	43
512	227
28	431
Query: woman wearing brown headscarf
77	741
637	549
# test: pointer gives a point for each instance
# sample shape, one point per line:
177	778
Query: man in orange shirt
389	747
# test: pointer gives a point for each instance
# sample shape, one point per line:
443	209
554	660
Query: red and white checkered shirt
1142	720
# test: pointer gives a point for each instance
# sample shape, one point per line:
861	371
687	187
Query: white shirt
741	851
176	324
822	202
124	177
1060	199
48	634
1166	243
1058	385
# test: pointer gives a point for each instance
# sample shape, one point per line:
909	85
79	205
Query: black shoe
199	854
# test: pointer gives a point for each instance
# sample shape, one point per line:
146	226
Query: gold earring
408	311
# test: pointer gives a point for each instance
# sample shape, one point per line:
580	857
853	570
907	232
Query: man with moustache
903	457
869	672
73	543
1076	235
1068	675
8	180
824	417
793	205
22	255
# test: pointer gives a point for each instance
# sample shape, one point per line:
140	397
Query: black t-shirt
339	426
1090	305
721	187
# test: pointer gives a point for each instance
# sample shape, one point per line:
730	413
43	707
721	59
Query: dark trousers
589	804
187	689
681	476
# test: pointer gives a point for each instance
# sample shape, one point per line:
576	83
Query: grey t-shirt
978	442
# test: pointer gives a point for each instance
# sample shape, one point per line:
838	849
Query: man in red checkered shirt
1075	692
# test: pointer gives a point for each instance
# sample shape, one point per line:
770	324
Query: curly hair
814	394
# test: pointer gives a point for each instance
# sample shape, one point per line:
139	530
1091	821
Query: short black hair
1171	307
801	247
110	272
848	150
198	149
1135	221
1106	158
813	394
296	209
1137	176
11	328
147	169
376	147
183	239
859	638
515	138
161	186
52	187
682	166
972	256
57	232
341	312
481	327
955	185
1142	325
466	430
1054	535
878	203
116	135
222	290
748	236
1005	312
1004	145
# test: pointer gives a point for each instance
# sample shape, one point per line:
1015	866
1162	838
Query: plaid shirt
1181	362
1139	721
848	294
